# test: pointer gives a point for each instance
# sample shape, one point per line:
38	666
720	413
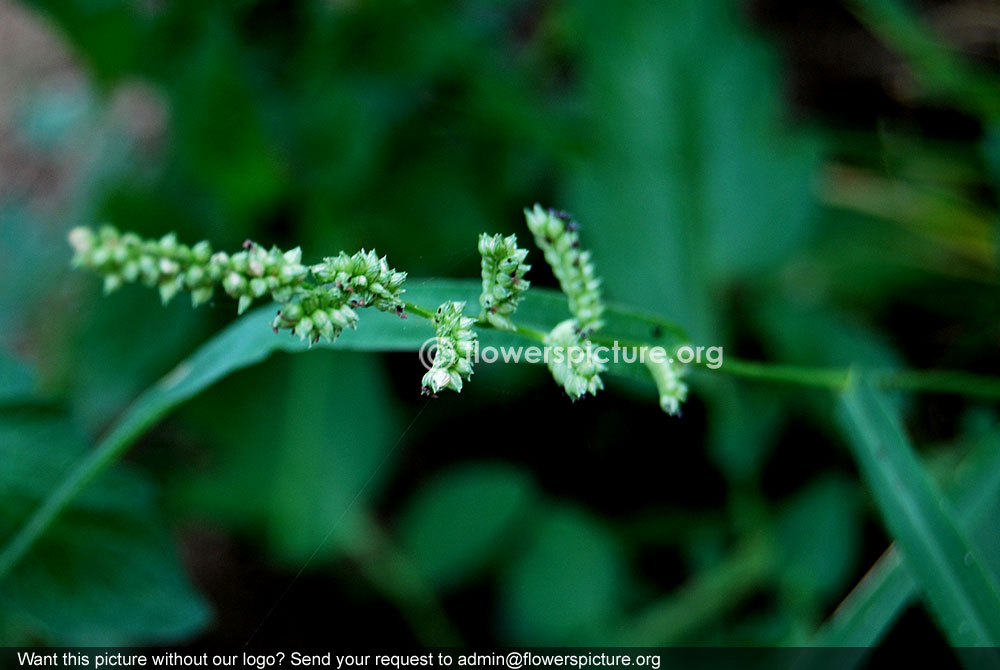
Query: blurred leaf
110	358
457	521
566	584
108	34
17	381
304	470
819	539
961	594
105	573
702	600
815	335
945	75
221	142
744	426
690	181
991	153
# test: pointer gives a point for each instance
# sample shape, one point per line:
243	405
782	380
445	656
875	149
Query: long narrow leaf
958	588
249	340
876	602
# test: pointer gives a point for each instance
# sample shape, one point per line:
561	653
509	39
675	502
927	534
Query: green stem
393	575
419	310
703	599
523	331
159	400
835	379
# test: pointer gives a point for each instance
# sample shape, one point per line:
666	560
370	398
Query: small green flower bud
169	289
256	262
195	276
169	266
130	271
168	243
322	324
101	256
282	293
304	329
148	270
239	263
672	390
234	284
112	283
201	295
244	304
82	240
258	287
292	312
201	252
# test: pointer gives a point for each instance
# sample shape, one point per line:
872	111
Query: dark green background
794	184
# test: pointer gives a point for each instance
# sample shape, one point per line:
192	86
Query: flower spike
503	270
456	342
556	235
572	361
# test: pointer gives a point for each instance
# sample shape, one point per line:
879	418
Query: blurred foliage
505	514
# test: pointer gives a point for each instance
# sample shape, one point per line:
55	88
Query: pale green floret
503	270
572	362
456	342
673	391
556	235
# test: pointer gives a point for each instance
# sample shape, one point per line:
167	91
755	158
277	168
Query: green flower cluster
503	269
366	279
311	312
348	282
672	390
572	362
321	300
456	342
123	258
556	235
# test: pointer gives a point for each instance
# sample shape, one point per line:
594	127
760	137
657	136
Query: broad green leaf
305	471
688	181
960	592
106	572
457	522
566	583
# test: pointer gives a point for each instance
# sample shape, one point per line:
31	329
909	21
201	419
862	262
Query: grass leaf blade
957	587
